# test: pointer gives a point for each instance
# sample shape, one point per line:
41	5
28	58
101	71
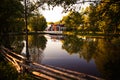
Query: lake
97	56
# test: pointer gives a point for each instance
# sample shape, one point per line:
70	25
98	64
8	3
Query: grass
89	34
8	72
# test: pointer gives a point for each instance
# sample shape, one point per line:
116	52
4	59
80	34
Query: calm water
63	55
95	56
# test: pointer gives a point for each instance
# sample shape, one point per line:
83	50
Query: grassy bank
89	34
8	72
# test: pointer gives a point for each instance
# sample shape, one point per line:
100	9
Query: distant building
56	27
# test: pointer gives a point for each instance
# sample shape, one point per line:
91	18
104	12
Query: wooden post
27	51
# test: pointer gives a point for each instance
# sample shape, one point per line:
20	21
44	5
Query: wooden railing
43	71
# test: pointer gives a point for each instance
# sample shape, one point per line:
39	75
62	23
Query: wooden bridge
43	71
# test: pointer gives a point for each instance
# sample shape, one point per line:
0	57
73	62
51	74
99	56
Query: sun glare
53	15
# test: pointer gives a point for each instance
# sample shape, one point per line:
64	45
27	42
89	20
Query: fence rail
43	71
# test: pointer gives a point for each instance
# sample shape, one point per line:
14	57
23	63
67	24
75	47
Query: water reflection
72	44
107	58
105	53
12	42
95	56
37	44
3	40
64	52
84	47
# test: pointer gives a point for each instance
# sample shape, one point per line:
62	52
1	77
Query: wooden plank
11	57
43	75
44	71
74	72
60	72
14	53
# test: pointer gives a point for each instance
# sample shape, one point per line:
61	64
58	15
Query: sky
53	15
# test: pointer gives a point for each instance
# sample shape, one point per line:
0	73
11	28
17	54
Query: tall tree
93	18
37	22
72	20
11	13
109	15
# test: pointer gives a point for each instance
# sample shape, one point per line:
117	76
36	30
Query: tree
38	23
11	12
109	16
93	18
11	15
72	21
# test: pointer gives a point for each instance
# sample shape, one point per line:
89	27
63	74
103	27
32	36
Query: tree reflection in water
72	44
12	42
84	47
105	52
37	44
107	58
